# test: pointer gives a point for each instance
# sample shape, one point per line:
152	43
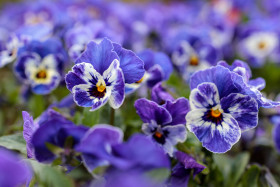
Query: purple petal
29	127
99	55
149	110
176	133
178	110
258	83
244	109
276	136
131	65
218	75
160	95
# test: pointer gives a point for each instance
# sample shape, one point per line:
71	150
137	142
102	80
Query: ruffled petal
244	109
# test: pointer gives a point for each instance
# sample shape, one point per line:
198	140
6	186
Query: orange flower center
101	85
194	60
158	134
42	74
215	113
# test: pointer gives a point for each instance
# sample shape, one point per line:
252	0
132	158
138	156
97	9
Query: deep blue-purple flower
164	124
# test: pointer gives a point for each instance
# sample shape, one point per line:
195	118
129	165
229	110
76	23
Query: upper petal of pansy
99	55
205	95
218	75
178	110
217	138
160	95
237	67
82	73
155	75
244	109
131	65
149	110
29	127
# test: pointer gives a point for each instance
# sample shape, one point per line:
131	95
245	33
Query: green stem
112	117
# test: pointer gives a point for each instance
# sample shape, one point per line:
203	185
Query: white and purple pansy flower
164	124
8	50
40	65
100	75
218	121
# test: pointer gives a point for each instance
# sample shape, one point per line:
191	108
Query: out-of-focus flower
100	75
13	171
158	68
181	172
40	65
51	136
164	124
8	49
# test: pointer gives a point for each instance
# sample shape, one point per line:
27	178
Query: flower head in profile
164	124
100	75
40	65
220	110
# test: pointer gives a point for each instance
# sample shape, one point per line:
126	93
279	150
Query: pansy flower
40	65
100	74
51	136
219	110
158	67
164	124
189	59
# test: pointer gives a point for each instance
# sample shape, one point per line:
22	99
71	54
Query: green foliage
14	142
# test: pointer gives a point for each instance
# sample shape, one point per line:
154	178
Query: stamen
215	113
194	61
101	85
262	45
42	74
141	80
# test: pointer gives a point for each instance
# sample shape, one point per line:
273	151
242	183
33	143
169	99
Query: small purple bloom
182	170
100	75
51	128
40	65
217	121
164	124
13	171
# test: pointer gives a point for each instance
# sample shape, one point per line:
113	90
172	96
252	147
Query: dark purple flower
51	129
182	170
164	124
13	171
100	74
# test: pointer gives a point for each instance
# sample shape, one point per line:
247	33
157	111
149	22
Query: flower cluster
117	93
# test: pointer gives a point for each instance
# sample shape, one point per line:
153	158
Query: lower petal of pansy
118	91
82	96
175	133
243	108
47	85
217	138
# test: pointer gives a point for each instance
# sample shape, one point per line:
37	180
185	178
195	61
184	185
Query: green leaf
37	105
160	174
90	118
14	142
50	176
251	176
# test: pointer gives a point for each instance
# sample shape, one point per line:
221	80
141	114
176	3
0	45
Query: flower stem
112	117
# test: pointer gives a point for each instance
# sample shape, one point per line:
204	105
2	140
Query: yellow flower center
141	80
215	113
42	74
194	60
158	134
101	85
262	45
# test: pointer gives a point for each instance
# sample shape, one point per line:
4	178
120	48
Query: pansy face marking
194	60
216	122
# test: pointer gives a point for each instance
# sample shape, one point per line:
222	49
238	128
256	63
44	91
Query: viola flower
100	75
182	170
189	59
217	120
13	170
158	68
259	46
51	136
40	65
164	124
